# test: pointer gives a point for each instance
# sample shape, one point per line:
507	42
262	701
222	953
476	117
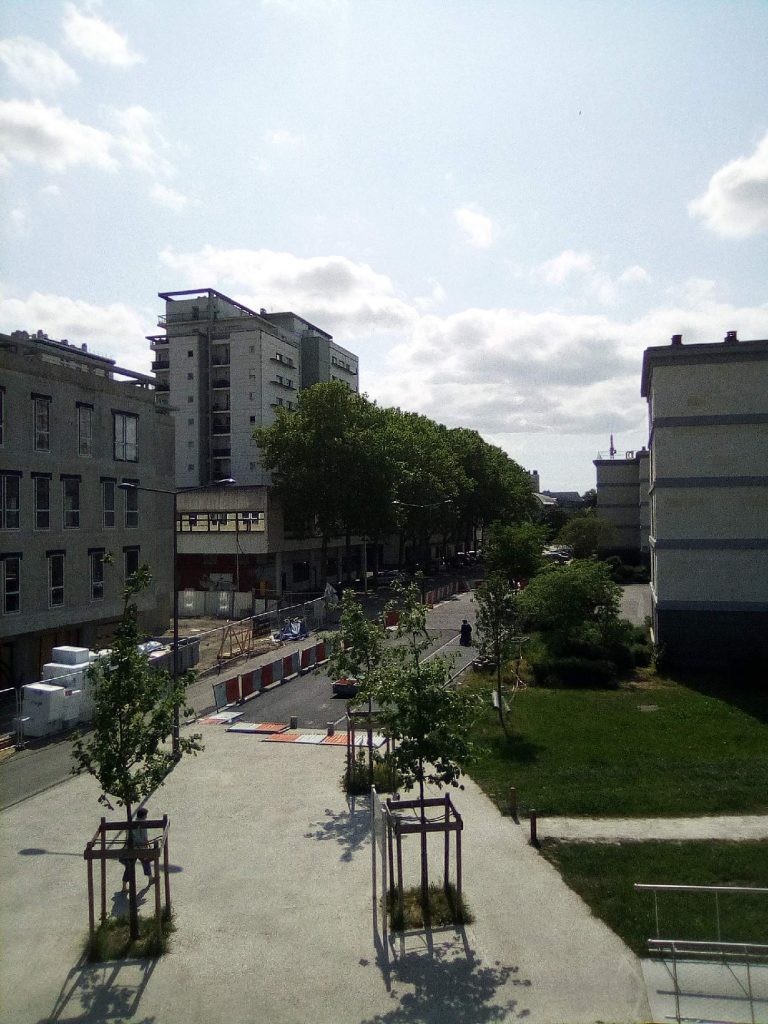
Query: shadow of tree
350	829
100	993
448	984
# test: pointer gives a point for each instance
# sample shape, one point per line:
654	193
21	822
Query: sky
497	205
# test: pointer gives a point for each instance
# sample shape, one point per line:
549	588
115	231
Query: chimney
677	339
731	338
84	347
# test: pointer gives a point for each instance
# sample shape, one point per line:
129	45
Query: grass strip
603	874
112	940
443	907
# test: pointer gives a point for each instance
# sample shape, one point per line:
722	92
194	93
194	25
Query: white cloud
169	198
478	228
50	190
139	140
32	132
735	203
116	331
17	220
558	270
96	39
35	66
282	137
580	267
331	291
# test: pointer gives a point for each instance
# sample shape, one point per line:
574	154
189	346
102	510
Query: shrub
643	655
575	673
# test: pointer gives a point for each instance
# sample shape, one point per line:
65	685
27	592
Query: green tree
497	628
429	719
328	467
514	551
357	652
587	533
133	715
571	601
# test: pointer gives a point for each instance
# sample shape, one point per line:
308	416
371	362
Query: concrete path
636	602
749	826
273	899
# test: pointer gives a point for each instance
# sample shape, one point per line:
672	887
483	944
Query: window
41	411
190	376
250	521
10	570
55	579
84	429
126	436
131	507
130	561
42	492
71	502
10	490
2	415
108	504
96	558
190	353
191	421
190	398
218	519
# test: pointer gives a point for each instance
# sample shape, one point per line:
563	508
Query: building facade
226	370
708	420
73	426
623	501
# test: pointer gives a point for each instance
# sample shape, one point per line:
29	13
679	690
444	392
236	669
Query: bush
355	779
575	673
643	655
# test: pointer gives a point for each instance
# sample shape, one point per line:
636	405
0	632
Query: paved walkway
749	826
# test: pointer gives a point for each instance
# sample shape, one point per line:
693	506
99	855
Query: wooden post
166	873
447	844
458	863
103	832
390	855
534	828
91	915
400	871
156	871
513	802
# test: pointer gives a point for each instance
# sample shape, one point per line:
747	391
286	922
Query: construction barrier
307	659
219	695
290	665
277	670
232	689
266	676
391	618
248	684
320	655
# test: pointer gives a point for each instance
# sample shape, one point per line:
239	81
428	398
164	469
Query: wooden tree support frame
100	850
369	719
399	826
241	639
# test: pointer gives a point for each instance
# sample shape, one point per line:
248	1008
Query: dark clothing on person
465	634
135	837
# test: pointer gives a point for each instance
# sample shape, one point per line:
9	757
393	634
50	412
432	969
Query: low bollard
330	728
534	828
293	722
513	802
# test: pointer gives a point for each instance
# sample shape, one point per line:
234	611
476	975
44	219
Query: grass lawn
651	748
603	874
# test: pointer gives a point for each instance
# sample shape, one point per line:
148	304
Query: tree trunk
423	842
133	905
499	697
324	560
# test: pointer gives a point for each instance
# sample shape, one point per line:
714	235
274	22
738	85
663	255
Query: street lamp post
126	486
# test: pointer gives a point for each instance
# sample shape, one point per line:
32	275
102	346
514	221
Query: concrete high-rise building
708	419
226	369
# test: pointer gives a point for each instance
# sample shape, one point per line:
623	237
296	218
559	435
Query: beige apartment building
708	484
622	500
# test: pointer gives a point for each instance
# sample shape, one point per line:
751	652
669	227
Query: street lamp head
227	481
125	486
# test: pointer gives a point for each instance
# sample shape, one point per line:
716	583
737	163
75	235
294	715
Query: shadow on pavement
444	982
96	993
351	829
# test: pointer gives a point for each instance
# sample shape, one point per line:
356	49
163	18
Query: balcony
161	364
220	382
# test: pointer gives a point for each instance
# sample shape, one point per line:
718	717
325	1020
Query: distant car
345	688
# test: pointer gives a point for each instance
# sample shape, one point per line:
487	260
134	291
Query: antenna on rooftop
612	449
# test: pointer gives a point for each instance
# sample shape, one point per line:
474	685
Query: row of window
125	428
11	577
71	497
343	365
222	522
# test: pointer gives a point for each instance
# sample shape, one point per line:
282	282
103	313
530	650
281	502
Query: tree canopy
586	533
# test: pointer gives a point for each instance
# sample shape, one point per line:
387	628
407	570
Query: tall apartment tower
708	418
225	370
622	499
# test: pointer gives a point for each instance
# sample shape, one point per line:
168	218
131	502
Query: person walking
136	836
465	634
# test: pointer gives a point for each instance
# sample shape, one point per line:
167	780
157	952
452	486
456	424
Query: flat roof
710	352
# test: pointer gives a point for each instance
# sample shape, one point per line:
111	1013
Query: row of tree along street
342	466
